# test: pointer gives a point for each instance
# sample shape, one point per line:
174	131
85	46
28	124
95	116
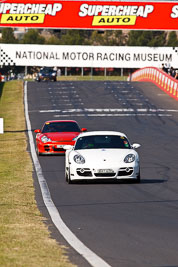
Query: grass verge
89	78
24	237
92	78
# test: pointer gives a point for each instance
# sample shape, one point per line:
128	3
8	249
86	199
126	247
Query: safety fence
163	80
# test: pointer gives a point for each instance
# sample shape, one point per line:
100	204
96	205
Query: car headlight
129	158
79	159
45	139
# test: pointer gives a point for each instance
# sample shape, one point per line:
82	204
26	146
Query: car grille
125	171
105	174
46	148
58	149
84	172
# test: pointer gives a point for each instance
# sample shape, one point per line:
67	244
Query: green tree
172	39
133	38
73	37
146	38
158	38
118	38
53	40
107	38
96	38
8	36
33	37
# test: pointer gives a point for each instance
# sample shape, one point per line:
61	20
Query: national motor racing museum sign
87	56
89	14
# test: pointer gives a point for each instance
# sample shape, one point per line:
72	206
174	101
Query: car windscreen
46	70
102	141
60	127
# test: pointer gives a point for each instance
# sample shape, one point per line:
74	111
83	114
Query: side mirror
136	146
37	131
84	130
67	147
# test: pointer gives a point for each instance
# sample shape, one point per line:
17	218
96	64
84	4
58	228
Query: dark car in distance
46	73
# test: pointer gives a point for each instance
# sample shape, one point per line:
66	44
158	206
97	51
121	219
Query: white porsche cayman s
102	155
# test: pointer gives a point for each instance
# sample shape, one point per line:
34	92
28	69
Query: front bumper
46	78
88	173
52	148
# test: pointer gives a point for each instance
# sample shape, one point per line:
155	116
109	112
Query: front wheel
67	176
37	152
138	179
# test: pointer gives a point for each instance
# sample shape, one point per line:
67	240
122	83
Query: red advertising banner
89	14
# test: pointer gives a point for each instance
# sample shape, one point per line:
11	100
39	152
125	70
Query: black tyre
138	179
66	176
68	180
37	152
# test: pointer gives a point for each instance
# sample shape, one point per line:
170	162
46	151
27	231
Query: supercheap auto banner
89	14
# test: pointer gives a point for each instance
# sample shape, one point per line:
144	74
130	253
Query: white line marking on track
66	88
64	92
162	94
89	255
113	115
131	99
110	110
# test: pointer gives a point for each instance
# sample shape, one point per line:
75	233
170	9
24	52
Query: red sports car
55	134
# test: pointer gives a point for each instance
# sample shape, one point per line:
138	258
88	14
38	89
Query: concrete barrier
163	80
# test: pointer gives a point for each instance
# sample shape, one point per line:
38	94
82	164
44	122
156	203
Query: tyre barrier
163	80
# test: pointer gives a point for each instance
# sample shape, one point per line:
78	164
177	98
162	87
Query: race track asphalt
127	225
